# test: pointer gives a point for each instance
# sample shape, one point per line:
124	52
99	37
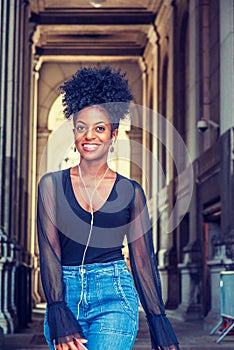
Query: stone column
191	280
36	298
12	277
6	289
3	319
191	257
7	59
3	62
167	253
8	325
143	116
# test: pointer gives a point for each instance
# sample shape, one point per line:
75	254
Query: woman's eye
100	128
80	128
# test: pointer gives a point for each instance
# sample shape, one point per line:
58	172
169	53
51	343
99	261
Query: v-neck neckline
76	200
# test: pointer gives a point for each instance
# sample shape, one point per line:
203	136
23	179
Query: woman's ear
114	134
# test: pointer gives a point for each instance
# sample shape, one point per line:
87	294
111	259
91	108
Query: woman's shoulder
50	178
133	183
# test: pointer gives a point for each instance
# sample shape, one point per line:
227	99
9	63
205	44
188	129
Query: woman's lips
90	147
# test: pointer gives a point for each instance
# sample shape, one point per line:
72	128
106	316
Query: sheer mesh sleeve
146	274
62	322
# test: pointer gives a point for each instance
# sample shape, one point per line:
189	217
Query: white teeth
90	147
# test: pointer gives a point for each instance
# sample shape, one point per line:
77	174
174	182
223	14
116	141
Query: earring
112	146
74	149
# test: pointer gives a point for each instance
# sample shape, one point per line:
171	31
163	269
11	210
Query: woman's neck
93	170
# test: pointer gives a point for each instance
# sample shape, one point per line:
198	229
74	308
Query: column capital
37	62
143	65
42	132
153	35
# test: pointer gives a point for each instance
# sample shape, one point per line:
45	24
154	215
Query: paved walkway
192	335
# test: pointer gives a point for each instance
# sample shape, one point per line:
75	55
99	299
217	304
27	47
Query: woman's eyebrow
82	122
101	122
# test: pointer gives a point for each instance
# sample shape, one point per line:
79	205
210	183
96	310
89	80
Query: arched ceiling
76	27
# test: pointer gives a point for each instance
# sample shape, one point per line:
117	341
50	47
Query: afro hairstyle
97	86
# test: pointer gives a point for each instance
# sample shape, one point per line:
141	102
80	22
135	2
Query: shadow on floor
192	335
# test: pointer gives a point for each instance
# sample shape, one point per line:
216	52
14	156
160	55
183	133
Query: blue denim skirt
108	311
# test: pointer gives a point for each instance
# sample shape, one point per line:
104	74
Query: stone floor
192	335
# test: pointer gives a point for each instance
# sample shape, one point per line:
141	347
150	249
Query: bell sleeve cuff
161	331
62	323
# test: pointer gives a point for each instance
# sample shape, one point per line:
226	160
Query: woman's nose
90	133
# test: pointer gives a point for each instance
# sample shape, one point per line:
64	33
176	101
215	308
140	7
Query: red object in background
225	325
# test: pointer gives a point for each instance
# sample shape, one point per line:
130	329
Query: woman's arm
146	274
63	325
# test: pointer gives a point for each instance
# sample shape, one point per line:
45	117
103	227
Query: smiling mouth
90	147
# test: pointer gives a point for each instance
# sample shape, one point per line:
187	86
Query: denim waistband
97	267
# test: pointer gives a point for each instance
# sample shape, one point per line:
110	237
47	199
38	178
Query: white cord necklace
90	197
86	190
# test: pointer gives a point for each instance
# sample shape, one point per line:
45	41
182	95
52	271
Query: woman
83	215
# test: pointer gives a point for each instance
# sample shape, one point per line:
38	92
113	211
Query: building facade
179	61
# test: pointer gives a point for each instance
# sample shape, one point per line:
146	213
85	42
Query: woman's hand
76	344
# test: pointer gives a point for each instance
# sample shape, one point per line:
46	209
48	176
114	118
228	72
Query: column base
1	339
3	323
189	312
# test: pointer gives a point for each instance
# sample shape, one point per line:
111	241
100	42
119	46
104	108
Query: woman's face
93	134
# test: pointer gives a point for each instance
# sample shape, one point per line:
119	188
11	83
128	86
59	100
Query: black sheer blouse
63	224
